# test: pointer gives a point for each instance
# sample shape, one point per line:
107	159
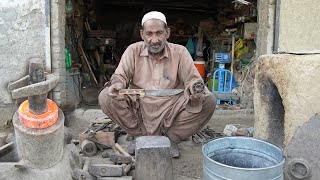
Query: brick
153	159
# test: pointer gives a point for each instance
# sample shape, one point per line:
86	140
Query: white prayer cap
153	15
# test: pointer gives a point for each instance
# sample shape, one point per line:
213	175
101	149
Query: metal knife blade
143	92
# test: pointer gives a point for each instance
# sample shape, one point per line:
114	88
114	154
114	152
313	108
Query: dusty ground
189	164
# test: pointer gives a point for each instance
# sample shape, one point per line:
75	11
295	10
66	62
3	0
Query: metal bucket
242	158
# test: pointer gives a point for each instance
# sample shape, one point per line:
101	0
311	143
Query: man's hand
114	88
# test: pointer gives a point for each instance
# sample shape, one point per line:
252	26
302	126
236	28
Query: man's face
155	35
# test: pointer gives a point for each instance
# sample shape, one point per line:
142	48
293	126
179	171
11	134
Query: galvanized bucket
242	158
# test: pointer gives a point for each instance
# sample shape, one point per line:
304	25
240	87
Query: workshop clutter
223	61
101	154
95	43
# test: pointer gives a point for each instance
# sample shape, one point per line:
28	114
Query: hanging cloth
190	46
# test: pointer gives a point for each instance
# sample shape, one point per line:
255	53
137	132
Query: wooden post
37	103
232	54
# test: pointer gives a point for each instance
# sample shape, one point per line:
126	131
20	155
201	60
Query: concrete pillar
153	158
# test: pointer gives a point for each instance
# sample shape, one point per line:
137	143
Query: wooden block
105	138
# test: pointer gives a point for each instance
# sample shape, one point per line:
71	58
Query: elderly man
155	64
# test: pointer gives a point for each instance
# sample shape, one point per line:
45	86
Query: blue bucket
242	158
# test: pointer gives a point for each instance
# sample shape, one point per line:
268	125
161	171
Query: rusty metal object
88	148
302	152
106	170
198	88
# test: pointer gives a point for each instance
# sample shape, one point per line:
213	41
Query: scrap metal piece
198	87
88	148
106	170
143	92
302	152
206	135
83	174
119	158
5	149
80	174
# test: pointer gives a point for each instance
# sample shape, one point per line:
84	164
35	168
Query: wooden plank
232	54
88	65
105	138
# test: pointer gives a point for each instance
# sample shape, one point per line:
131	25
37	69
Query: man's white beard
158	49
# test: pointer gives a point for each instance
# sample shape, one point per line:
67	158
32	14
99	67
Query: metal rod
37	103
276	27
5	149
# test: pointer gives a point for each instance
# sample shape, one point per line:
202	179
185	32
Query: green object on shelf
68	58
210	83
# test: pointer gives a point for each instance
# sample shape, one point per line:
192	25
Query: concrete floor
189	164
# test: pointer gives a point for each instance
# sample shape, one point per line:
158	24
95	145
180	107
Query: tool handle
140	92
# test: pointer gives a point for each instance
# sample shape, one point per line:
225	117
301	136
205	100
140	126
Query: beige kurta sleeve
124	72
189	74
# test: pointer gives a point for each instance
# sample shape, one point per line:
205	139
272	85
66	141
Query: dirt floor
189	164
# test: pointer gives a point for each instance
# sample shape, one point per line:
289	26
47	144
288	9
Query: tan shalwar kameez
176	116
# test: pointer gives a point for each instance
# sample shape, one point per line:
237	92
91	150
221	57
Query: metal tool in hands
144	92
198	88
